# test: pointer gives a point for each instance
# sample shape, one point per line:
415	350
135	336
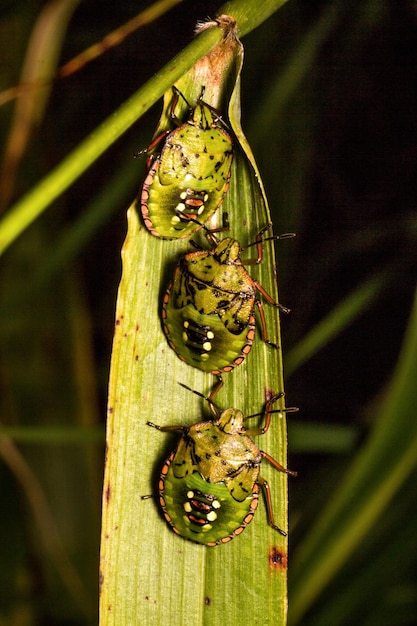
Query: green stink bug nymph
208	308
209	486
187	181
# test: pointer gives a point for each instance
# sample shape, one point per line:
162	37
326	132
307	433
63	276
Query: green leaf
140	554
149	575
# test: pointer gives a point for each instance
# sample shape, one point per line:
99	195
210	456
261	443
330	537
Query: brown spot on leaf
278	559
269	394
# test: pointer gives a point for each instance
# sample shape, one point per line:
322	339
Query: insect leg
268	500
216	388
268	412
264	332
277	465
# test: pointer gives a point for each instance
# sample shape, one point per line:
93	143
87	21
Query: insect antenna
177	94
289	409
260	239
213	408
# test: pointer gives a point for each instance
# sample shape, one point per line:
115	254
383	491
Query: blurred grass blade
370	485
46	524
308	438
26	210
115	37
297	68
112	39
40	65
390	595
336	321
71	435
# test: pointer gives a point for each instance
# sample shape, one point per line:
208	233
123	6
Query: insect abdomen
201	511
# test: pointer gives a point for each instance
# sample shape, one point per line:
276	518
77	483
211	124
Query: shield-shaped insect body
208	308
187	181
209	485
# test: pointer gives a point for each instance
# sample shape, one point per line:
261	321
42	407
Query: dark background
337	152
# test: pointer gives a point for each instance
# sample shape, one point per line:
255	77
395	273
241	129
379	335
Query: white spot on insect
207	346
216	504
187	507
175	219
212	516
